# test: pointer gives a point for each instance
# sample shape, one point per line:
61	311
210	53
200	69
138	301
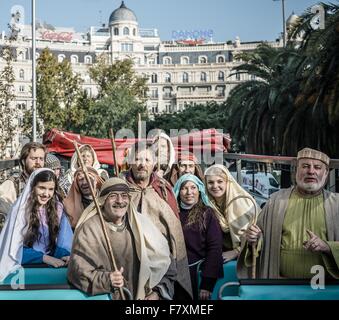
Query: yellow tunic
303	212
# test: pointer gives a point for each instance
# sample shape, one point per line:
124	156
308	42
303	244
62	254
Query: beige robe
90	267
169	225
271	221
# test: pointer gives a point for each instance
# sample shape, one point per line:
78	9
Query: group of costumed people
164	221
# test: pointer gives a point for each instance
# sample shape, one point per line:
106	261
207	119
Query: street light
284	24
33	72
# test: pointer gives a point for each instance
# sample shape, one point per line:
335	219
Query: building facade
180	73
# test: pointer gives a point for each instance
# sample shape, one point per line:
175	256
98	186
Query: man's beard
31	170
312	186
141	175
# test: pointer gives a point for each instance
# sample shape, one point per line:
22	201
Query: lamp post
284	24
33	72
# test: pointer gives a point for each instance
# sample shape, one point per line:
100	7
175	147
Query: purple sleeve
213	265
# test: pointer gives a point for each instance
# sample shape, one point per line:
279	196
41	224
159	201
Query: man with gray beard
298	227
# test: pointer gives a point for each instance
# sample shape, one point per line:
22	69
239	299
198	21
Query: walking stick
110	250
158	167
114	150
254	246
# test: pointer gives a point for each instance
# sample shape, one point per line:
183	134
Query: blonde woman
234	215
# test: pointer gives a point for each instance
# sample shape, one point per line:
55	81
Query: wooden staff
114	150
254	246
139	126
159	131
110	250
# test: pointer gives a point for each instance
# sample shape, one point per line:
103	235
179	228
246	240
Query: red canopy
61	142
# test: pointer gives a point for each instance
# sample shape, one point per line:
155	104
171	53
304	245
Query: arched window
185	60
203	77
202	60
88	59
22	74
126	31
221	76
154	78
74	59
185	77
167	77
61	57
221	59
116	31
167	60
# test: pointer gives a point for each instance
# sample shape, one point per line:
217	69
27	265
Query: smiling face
216	186
311	175
116	205
44	192
189	193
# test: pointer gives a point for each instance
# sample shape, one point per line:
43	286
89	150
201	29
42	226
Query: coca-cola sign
57	36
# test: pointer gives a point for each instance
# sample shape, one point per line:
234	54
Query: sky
251	20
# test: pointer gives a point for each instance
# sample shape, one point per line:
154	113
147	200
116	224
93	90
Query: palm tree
258	108
294	100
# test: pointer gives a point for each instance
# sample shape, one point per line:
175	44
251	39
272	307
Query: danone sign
192	34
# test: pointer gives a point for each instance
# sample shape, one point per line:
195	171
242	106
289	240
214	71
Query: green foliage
199	117
120	74
293	101
7	113
58	92
117	110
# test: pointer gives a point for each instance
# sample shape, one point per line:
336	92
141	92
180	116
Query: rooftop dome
122	14
292	19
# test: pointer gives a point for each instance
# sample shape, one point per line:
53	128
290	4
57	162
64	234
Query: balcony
168	96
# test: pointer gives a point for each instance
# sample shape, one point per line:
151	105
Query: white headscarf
171	150
74	165
12	235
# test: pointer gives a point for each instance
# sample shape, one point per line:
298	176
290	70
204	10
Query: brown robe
89	267
149	202
270	221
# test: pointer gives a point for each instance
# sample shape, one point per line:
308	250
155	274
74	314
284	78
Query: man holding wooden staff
143	259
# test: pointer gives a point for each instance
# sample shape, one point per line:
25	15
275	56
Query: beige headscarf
171	150
74	165
233	217
73	202
152	248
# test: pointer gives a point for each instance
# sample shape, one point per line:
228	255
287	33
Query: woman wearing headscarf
37	230
165	153
89	158
235	208
202	233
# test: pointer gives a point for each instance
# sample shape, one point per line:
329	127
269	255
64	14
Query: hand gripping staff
110	250
254	246
114	150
